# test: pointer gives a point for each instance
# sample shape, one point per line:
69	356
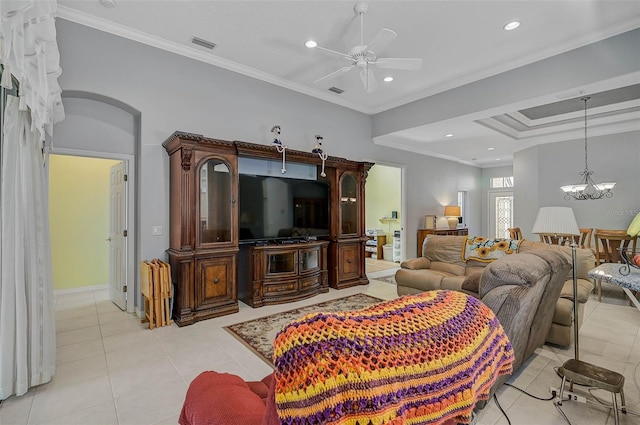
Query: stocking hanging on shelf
275	130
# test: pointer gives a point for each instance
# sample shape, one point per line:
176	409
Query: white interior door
500	214
118	236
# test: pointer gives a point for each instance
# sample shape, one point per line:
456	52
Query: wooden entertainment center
210	266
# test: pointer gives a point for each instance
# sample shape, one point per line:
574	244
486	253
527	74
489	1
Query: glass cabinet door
348	204
283	262
215	202
309	260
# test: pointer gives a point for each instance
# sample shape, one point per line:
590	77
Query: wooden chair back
515	233
557	238
583	240
585	237
608	243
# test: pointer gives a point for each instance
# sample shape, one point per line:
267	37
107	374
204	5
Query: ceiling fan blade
334	74
333	52
369	80
408	64
384	37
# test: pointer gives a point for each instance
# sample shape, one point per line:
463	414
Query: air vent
336	90
204	43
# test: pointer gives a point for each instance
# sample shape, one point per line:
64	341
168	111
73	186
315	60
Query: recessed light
497	159
388	79
511	26
448	135
490	149
311	44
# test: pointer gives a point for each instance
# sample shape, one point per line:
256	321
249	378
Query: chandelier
587	188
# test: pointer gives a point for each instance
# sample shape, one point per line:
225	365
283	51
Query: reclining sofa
520	293
447	264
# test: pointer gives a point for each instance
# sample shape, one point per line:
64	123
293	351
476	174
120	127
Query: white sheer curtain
27	332
28	53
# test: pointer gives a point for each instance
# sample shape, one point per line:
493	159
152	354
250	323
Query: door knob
108	239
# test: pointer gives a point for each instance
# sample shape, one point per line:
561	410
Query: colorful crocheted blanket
418	359
486	250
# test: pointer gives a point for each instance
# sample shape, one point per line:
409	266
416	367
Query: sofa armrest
416	263
584	289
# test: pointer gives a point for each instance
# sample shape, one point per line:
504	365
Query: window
501	182
500	206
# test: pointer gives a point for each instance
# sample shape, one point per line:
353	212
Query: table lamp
452	212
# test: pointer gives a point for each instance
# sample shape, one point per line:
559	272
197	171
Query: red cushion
221	399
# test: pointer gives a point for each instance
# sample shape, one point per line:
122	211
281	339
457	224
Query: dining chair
585	238
515	233
608	245
557	238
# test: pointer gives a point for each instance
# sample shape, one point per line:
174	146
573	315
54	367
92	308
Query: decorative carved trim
187	136
186	155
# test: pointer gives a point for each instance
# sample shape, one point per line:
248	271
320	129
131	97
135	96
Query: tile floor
111	370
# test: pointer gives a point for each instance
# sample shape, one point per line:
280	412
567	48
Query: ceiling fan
363	56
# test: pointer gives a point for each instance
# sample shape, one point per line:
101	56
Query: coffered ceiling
459	42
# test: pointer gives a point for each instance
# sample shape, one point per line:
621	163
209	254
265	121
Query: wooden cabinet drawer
309	283
280	288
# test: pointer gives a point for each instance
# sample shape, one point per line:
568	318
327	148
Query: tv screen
278	207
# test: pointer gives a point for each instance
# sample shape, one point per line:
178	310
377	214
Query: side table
610	272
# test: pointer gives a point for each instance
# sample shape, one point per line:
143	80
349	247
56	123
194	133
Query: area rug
387	279
259	334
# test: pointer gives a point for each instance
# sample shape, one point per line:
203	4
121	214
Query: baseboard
81	289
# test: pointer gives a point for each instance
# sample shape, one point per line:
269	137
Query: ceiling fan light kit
363	56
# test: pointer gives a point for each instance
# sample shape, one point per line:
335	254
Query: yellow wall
79	220
383	195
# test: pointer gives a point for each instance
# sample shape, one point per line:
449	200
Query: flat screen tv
279	207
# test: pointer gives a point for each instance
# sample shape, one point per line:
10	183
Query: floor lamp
561	220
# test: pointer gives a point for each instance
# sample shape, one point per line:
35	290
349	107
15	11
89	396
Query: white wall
172	93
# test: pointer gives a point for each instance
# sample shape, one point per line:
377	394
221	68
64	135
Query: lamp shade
452	211
634	227
558	220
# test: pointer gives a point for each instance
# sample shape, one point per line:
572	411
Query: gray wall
541	170
172	93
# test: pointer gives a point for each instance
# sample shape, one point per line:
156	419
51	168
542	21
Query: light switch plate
156	230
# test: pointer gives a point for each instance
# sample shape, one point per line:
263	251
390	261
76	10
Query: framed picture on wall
430	221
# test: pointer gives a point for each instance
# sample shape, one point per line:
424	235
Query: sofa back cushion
446	249
585	257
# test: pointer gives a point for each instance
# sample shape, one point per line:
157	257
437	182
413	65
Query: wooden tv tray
156	288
